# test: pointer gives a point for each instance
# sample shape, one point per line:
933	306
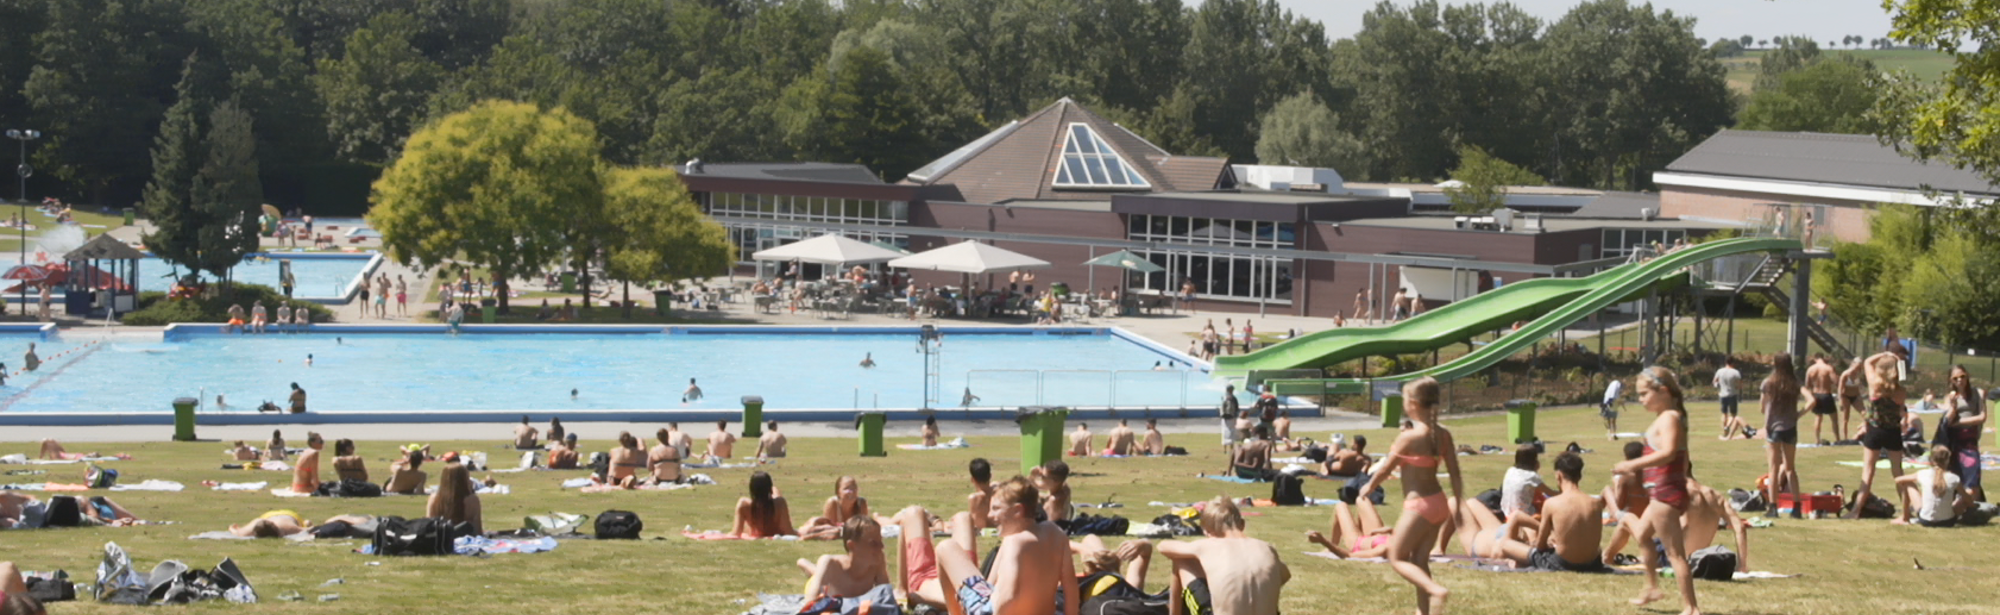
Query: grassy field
1846	566
1927	65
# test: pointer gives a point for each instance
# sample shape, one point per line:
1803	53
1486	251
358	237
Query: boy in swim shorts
1032	563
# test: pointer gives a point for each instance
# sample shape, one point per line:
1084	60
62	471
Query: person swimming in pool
692	394
868	361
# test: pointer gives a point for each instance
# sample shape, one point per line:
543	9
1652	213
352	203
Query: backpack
619	525
433	536
1118	597
1288	490
600	465
100	478
1351	491
1716	563
1491	498
55	587
1317	454
1874	508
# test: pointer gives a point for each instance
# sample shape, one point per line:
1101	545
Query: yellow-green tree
661	235
496	185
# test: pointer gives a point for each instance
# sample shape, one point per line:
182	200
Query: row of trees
334	88
517	189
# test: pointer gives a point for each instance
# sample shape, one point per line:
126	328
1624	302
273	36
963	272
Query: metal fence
1137	389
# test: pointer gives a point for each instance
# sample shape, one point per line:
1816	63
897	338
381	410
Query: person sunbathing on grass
563	455
1051	480
1563	538
100	510
930	431
274	449
664	460
773	444
1122	440
626	460
347	464
51	449
1937	493
1031	569
12	506
405	477
721	443
857	573
1253	457
525	435
845	504
1235	573
305	477
456	498
243	452
764	513
916	556
1348	461
977	504
282	523
1152	443
1357	531
1079	441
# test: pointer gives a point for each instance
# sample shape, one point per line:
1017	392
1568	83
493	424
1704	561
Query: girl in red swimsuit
1418	452
1664	466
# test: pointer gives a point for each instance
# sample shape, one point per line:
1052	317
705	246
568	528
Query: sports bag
1716	563
396	536
619	525
1288	490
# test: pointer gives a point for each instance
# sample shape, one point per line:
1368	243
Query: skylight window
1089	162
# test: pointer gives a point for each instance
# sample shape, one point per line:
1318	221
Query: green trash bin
487	313
1041	435
184	418
1392	411
753	416
569	282
869	425
1521	421
663	300
130	216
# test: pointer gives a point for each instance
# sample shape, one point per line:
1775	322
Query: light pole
24	136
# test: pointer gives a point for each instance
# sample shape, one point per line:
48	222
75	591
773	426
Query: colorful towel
720	535
1229	479
476	545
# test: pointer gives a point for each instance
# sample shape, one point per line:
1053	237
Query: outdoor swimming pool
416	372
322	277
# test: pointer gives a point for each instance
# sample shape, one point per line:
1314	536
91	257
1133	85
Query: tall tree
177	159
1301	131
870	117
1637	91
1483	181
1242	56
662	236
1828	96
1953	119
97	90
375	93
19	21
1792	53
498	185
226	192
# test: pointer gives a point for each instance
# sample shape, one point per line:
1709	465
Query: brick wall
1845	220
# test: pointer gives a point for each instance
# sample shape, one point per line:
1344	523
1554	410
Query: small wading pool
322	277
640	369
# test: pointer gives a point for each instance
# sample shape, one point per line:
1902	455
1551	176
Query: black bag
55	588
1176	525
348	489
1087	524
1874	508
1119	597
1746	501
64	511
619	525
434	536
1173	451
600	466
1491	498
1351	492
1288	490
1716	563
1317	454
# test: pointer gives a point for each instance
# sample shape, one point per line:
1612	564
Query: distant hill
1923	64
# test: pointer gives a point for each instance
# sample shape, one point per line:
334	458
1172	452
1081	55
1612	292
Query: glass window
1090	162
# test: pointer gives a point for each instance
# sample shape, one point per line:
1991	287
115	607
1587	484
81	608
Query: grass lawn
1925	65
1863	566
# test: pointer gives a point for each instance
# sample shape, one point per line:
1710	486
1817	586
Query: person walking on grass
1781	393
1725	383
1418	453
1664	467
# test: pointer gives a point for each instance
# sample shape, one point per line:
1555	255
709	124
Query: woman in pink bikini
1418	451
1358	531
1664	467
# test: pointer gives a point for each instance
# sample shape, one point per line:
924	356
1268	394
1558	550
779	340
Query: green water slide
1549	304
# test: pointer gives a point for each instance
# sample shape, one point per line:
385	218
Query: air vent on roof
692	167
1648	213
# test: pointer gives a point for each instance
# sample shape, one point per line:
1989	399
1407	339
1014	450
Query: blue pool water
319	276
420	372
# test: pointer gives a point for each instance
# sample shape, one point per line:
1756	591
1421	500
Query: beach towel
287	492
576	482
1229	479
151	484
45	487
954	443
256	486
1305	461
19	459
478	545
724	466
721	535
1883	464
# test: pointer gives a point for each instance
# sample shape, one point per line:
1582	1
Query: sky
1823	20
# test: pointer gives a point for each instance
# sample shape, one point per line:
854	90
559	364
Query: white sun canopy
828	250
969	257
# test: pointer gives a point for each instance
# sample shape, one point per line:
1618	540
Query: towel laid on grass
151	484
256	486
1229	479
20	459
954	443
724	466
721	535
691	480
45	487
1304	461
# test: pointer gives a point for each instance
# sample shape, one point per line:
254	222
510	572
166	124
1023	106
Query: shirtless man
664	460
1823	382
258	316
525	435
1253	458
1572	525
1281	428
243	452
564	456
772	445
405	477
1121	441
1226	572
1152	443
977	504
12	506
1350	461
863	568
1853	384
681	441
1079	441
1709	510
305	476
1030	569
692	393
721	443
1883	435
1052	481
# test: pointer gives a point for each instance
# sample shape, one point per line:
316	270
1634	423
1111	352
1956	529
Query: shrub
158	310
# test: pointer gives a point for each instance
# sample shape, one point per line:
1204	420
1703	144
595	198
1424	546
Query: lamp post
24	136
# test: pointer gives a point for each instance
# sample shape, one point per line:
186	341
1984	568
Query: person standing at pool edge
298	399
